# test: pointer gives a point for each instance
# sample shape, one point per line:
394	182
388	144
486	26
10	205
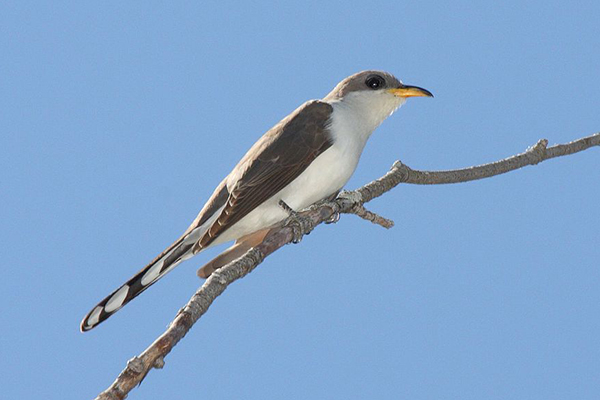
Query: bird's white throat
359	113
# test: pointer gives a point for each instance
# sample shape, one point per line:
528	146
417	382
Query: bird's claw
335	217
298	223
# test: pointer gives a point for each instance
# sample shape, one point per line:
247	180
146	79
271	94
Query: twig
347	202
360	211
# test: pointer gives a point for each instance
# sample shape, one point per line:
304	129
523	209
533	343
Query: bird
308	156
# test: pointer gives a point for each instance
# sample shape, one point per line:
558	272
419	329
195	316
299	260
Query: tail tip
91	320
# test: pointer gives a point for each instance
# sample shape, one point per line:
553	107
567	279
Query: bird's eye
375	82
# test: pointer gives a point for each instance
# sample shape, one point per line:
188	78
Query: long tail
165	262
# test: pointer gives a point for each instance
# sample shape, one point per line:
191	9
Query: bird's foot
351	197
301	225
335	204
332	204
335	217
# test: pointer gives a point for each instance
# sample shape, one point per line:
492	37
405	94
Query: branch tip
360	211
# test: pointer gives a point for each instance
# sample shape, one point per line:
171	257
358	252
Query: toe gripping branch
301	225
345	202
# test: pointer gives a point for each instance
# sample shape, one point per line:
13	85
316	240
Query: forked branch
327	211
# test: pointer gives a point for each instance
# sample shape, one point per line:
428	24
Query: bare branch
360	211
284	233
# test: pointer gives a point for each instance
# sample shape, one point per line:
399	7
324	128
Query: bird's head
373	95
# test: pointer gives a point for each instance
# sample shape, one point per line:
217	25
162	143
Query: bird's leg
300	224
335	217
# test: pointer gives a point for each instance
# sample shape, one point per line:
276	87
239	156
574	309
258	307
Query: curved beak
410	91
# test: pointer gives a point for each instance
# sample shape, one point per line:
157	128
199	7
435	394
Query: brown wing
278	158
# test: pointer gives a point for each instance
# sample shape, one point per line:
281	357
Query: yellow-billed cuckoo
308	156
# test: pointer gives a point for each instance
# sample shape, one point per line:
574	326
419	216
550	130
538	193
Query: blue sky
119	119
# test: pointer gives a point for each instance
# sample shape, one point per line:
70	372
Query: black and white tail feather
179	251
182	249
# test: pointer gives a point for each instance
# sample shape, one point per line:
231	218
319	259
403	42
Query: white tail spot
152	273
94	316
116	300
